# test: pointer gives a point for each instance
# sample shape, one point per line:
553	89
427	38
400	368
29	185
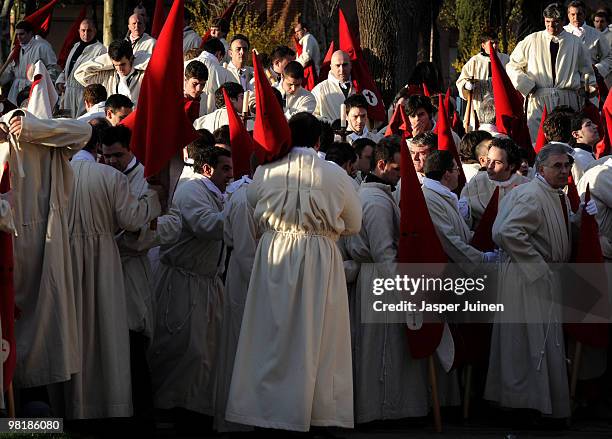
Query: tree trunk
389	41
532	19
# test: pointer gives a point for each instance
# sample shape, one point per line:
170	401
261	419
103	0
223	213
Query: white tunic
189	304
242	76
389	383
217	119
329	97
310	51
46	336
530	66
597	45
37	49
101	204
293	363
582	160
144	45
527	367
73	95
217	74
300	101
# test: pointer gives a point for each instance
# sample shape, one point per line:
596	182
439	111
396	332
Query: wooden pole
108	22
467	391
10	401
575	369
433	381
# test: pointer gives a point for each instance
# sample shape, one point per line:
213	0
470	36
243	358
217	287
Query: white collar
134	40
304	149
83	156
213	188
354	136
439	188
578	31
96	108
337	81
492	128
131	164
506	183
543	180
210	57
236	184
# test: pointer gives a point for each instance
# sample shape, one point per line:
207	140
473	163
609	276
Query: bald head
136	25
87	30
341	66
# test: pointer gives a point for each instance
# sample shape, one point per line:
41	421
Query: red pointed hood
159	135
445	139
271	133
41	18
509	115
240	141
227	15
158	18
483	235
310	73
72	37
399	123
541	140
326	64
604	147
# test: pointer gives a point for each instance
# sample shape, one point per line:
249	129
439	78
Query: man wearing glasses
527	367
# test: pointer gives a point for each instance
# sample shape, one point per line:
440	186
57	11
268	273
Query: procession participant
94	98
137	37
296	99
310	46
243	74
357	118
332	92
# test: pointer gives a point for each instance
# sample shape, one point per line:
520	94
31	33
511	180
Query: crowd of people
241	300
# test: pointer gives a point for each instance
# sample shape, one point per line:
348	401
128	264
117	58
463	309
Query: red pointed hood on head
604	147
446	142
241	142
158	18
541	140
483	235
72	37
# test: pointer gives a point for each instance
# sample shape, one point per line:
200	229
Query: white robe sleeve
352	213
131	213
95	71
516	67
69	133
204	220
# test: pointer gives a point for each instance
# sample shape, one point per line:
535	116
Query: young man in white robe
142	43
102	204
94	98
597	44
311	54
365	157
86	49
218	117
279	58
189	293
296	99
293	362
475	77
503	160
527	364
119	70
211	56
117	107
32	49
238	53
548	67
41	182
357	119
332	92
388	382
584	138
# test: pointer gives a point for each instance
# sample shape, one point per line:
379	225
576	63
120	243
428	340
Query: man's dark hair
96	135
305	129
576	125
222	135
117	134
116	102
513	154
280	52
222	23
558	127
233	90
240	37
204	140
602	14
214	45
553	10
360	144
437	163
403	93
209	155
578	4
196	69
327	136
386	149
303	24
341	153
467	146
25	26
428	138
119	49
94	94
417	101
488	34
355	101
294	70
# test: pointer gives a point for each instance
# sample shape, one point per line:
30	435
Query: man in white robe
85	50
527	364
218	118
279	58
311	54
475	77
503	160
239	52
41	184
189	294
101	204
548	67
597	44
32	49
389	383
239	232
332	92
119	71
293	362
296	98
601	20
211	56
584	138
140	41
365	157
357	120
94	98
